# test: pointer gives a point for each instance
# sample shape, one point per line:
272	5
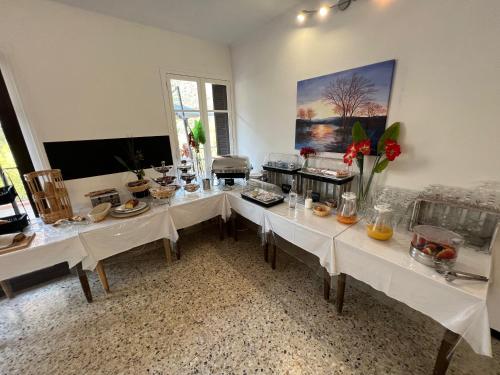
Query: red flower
307	151
364	147
352	149
348	159
392	149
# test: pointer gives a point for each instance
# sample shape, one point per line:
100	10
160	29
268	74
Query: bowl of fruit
435	246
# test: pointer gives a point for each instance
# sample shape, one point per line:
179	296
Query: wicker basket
162	192
50	195
142	186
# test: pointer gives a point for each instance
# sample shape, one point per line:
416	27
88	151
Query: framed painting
329	105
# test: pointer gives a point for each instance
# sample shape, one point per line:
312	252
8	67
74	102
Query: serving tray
266	204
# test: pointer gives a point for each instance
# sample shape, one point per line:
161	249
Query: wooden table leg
177	249
265	245
102	276
84	282
235	226
168	252
326	284
446	351
273	256
7	289
339	303
221	227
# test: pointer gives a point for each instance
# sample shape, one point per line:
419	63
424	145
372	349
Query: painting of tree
328	106
348	95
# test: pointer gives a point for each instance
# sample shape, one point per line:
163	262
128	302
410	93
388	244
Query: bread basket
321	210
138	186
165	192
191	188
99	212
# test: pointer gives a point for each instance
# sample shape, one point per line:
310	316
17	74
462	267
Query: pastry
131	204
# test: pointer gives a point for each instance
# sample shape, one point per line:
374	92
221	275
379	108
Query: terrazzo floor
219	310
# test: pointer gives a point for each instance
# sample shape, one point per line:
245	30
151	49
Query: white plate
129	214
122	210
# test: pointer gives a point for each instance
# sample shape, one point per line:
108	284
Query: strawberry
446	253
427	250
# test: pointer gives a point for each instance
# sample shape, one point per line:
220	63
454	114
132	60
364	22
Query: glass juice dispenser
347	212
379	224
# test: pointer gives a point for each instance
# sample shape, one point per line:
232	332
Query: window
193	99
14	156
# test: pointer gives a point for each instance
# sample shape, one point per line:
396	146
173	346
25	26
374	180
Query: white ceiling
223	21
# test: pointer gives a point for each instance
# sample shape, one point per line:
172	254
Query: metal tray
266	204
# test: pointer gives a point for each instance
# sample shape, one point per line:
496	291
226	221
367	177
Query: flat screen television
96	157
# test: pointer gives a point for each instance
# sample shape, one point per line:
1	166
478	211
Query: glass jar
379	225
308	201
347	213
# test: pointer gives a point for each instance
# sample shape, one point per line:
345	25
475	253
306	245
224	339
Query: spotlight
323	11
301	17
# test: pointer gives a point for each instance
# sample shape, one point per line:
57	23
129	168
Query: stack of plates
123	212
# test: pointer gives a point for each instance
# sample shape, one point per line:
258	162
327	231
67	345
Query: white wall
81	75
446	90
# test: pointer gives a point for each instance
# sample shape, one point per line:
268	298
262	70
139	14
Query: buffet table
460	306
49	247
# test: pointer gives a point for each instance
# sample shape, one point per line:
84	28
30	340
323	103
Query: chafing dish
229	167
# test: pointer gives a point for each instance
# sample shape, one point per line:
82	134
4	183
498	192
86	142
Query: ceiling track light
323	11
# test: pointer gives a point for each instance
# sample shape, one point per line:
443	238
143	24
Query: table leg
102	276
7	289
221	227
235	226
446	352
168	252
339	303
326	284
84	282
265	245
273	256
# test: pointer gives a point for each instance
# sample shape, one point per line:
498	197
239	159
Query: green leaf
199	133
381	166
392	133
122	162
358	133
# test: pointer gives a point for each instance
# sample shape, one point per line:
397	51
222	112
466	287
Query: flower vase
305	165
368	198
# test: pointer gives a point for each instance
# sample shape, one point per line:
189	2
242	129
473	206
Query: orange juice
382	233
347	219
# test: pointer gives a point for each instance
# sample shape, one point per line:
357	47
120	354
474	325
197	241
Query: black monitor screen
96	157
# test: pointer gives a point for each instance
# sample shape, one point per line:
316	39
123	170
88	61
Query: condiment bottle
292	196
379	225
347	213
308	202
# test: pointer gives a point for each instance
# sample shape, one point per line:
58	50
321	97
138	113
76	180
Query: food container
379	225
191	188
347	212
162	194
321	210
434	245
99	212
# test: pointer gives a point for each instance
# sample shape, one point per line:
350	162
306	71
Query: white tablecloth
247	209
386	266
114	236
306	230
193	208
50	246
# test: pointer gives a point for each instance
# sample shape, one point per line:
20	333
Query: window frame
203	111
